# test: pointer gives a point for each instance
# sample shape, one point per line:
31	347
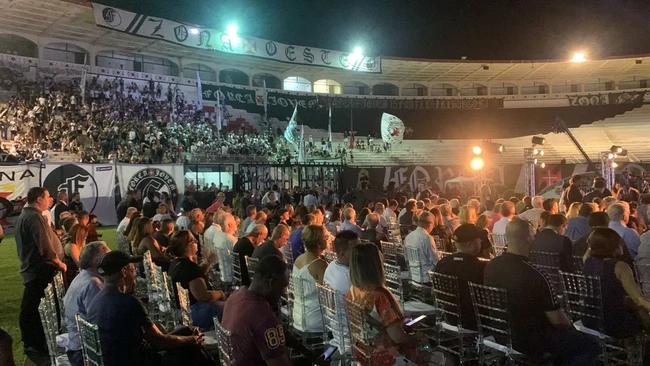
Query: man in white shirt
337	276
125	221
260	219
222	244
209	233
507	213
421	240
534	213
251	212
390	211
311	199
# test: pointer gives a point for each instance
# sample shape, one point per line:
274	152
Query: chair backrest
447	297
499	240
412	256
90	344
583	298
578	263
393	276
236	268
47	311
184	305
225	267
491	311
360	331
288	254
389	251
59	289
332	308
549	263
224	343
643	277
441	243
251	265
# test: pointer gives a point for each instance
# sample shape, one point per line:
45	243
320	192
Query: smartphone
415	321
329	352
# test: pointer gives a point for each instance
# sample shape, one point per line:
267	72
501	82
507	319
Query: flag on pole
329	126
301	150
265	103
351	131
219	114
83	87
199	90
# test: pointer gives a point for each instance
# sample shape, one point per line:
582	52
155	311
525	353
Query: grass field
11	287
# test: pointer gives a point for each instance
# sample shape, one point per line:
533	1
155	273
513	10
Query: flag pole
351	131
329	126
219	116
265	104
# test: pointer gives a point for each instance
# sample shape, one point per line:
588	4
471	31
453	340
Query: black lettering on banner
309	57
181	34
156	28
226	43
204	39
289	52
325	57
343	60
271	48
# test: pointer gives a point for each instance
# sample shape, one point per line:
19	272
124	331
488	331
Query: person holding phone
392	337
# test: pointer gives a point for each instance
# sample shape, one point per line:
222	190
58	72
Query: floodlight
578	57
232	29
616	149
477	163
477	150
543	165
614	165
611	156
535	151
541	152
536	140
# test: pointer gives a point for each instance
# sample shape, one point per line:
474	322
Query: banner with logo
168	178
95	184
15	181
587	100
218	40
238	98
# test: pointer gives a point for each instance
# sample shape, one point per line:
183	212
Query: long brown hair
78	235
367	272
135	214
144	230
134	227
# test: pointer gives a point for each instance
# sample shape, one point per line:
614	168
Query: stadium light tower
579	57
232	29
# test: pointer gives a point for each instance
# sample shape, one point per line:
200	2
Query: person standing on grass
40	254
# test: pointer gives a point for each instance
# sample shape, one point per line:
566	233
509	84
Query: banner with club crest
168	178
218	40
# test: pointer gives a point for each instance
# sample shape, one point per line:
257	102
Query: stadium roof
73	20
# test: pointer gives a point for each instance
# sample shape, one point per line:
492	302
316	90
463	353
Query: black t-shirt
161	238
466	268
245	248
184	271
530	295
122	321
267	249
149	209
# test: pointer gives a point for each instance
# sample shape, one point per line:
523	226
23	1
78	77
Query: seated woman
623	300
75	241
334	221
468	215
205	303
309	269
144	241
392	339
442	231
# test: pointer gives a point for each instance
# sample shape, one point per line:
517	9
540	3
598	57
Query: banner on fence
94	182
222	41
15	181
167	178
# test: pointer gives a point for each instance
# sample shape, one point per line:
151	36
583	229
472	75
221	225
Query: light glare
614	165
543	165
578	57
477	150
477	164
194	31
232	29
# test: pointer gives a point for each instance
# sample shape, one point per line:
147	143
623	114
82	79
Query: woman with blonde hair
74	242
467	215
309	269
573	210
144	241
391	338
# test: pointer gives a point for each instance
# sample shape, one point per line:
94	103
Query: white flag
392	129
199	89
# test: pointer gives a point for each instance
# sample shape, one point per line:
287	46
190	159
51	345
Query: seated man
258	337
245	248
80	294
424	243
539	325
466	267
128	335
372	234
273	245
551	239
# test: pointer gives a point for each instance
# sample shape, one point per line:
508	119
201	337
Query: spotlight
535	151
543	165
616	149
477	150
536	140
614	165
611	156
194	31
623	152
578	57
541	152
490	147
232	29
477	163
535	161
502	148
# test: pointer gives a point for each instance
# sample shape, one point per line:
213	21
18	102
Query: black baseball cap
115	260
467	232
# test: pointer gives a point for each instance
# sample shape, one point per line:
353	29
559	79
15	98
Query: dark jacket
549	241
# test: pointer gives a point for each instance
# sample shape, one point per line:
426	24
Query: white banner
212	39
392	129
169	178
95	184
15	181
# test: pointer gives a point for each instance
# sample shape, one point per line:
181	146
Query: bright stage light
535	151
535	161
355	56
616	149
611	156
477	163
543	165
578	57
232	29
477	150
358	51
194	31
614	165
541	152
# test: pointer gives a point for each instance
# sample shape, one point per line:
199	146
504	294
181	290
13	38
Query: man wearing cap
466	267
127	334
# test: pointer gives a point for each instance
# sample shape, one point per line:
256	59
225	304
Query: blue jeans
204	312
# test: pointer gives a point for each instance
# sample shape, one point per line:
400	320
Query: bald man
274	244
246	246
538	323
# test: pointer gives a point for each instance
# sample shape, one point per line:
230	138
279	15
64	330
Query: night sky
438	29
